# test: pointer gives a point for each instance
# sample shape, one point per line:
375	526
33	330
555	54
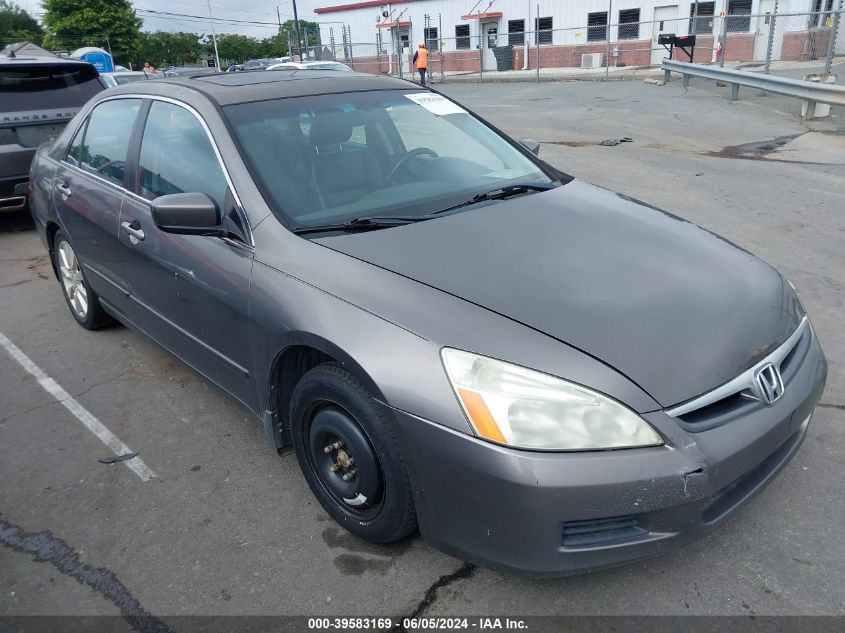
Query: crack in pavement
829	405
467	570
12	416
75	396
44	547
100	384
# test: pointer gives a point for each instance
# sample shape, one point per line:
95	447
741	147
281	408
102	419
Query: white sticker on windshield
436	104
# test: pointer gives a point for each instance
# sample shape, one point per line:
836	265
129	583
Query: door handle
134	229
63	189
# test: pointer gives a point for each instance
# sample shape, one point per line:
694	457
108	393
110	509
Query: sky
262	11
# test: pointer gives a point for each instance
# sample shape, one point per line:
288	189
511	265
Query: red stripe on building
390	25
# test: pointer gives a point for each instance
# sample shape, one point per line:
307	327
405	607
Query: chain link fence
599	47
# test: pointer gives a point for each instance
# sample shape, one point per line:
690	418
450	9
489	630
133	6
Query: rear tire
83	302
349	457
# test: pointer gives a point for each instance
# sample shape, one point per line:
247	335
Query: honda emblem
768	383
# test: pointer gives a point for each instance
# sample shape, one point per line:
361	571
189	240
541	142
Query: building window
704	22
516	32
543	30
431	41
462	36
629	24
596	27
739	16
821	15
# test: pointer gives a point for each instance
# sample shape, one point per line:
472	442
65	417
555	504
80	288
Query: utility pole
296	26
279	18
213	35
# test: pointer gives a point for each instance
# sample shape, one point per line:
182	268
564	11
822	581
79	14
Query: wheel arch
301	352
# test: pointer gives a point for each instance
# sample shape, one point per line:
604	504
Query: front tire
83	302
349	457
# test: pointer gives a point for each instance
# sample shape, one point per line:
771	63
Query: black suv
38	96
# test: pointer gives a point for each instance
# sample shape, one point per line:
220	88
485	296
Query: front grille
602	531
720	411
737	397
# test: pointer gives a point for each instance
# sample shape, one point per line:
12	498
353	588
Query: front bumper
550	514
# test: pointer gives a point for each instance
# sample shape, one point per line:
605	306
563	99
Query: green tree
274	46
71	24
307	30
16	25
235	48
163	48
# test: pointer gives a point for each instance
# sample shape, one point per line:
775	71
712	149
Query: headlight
519	407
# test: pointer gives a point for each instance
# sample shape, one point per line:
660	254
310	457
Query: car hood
675	308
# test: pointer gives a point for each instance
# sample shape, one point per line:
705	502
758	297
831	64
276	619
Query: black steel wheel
349	457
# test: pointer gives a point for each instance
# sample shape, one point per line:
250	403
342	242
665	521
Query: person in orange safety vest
421	61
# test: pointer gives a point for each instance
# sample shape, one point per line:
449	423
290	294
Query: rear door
36	102
89	190
189	292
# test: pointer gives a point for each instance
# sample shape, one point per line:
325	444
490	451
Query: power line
206	19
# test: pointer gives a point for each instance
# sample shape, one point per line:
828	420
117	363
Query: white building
463	33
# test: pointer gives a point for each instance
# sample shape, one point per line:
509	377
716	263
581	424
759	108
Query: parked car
38	96
234	68
542	374
112	80
178	71
327	65
260	64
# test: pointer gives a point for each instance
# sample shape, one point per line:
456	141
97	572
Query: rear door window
100	147
43	87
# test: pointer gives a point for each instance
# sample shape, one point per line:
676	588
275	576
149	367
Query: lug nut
328	449
349	476
337	445
335	467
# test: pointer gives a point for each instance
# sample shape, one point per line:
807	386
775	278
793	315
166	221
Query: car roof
31	60
231	88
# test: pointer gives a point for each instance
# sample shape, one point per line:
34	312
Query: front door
765	22
489	41
89	191
189	292
665	21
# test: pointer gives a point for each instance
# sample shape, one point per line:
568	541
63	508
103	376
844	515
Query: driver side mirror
186	214
531	145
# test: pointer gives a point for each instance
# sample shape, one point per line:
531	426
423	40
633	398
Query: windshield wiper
500	193
361	224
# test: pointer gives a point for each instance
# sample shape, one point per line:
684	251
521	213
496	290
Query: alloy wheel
72	280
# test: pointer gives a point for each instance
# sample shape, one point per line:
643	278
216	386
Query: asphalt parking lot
227	527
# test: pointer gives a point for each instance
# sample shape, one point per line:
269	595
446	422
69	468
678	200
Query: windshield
334	158
45	86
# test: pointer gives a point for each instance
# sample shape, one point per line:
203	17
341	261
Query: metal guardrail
811	92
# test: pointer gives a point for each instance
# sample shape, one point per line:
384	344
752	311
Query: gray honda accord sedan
543	375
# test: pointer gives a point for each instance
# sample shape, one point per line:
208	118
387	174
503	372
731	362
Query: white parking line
136	464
